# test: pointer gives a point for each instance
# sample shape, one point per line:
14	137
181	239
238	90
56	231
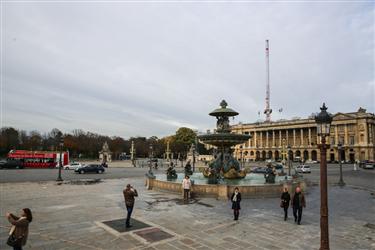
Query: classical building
105	155
270	140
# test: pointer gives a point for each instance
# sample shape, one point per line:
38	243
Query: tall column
267	139
287	137
280	138
261	139
301	137
336	136
255	139
273	138
309	138
294	137
346	142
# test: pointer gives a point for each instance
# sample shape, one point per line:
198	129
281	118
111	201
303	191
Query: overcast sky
131	69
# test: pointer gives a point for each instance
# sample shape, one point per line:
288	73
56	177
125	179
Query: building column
287	138
346	142
294	137
280	139
255	139
309	138
273	138
336	135
261	139
267	139
301	137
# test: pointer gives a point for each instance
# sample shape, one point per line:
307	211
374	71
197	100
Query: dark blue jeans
130	210
17	248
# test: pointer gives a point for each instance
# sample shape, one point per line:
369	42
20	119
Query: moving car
90	168
11	164
303	169
73	165
366	164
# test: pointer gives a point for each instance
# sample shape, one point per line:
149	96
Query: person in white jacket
186	185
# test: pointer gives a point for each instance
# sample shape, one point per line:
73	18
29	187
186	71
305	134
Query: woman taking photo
20	228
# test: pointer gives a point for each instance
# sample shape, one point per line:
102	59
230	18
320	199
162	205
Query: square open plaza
116	133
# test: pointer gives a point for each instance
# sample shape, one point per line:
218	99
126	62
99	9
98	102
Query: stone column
294	137
336	136
267	145
280	139
309	138
255	139
346	142
273	138
287	137
301	137
261	139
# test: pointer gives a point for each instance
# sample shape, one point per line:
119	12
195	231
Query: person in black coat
285	200
236	200
298	203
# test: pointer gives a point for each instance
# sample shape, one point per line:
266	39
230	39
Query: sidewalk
70	217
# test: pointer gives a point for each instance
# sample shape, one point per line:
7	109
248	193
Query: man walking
129	194
298	202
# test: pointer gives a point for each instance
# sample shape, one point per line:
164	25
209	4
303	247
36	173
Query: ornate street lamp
340	148
323	121
289	160
150	156
61	144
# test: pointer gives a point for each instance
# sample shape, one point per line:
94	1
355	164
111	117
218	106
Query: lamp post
193	149
323	120
339	148
150	156
289	162
61	144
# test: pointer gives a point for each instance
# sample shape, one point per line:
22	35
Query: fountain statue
224	165
171	172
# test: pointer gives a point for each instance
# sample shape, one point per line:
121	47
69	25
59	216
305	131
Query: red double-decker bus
38	159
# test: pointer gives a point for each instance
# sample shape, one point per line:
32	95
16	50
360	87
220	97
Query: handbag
281	204
13	241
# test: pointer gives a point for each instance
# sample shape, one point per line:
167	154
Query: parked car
11	164
90	168
366	164
73	165
259	170
303	169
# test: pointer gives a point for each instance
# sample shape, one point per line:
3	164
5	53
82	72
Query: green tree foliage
87	144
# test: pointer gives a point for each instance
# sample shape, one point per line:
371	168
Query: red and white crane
268	109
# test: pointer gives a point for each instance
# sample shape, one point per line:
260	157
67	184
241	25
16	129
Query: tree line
82	144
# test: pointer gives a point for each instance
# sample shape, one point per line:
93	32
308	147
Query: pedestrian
285	199
186	185
20	228
129	194
298	203
236	200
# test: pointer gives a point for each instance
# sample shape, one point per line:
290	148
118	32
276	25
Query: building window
340	128
351	140
341	140
332	140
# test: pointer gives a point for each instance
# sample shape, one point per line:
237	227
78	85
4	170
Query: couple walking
298	202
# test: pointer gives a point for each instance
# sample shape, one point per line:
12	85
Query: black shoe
285	219
129	226
299	223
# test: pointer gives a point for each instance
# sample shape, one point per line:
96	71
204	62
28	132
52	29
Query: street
362	178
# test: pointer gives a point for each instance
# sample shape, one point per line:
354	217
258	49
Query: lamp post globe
323	125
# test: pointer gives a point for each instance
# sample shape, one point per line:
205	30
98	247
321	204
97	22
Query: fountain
224	164
224	173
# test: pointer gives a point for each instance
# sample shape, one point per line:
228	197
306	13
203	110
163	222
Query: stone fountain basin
252	186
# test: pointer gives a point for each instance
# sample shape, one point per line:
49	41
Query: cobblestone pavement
68	217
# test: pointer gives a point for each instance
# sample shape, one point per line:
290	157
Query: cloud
148	68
